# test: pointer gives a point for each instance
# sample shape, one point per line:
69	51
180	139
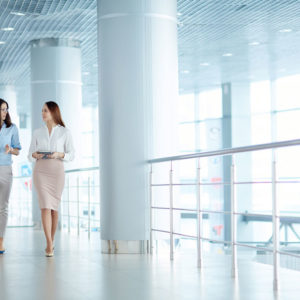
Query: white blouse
60	140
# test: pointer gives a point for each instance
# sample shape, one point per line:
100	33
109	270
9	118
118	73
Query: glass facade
273	116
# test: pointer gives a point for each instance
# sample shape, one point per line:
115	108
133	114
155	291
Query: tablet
45	154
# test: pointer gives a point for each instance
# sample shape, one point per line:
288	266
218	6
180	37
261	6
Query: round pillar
138	85
56	76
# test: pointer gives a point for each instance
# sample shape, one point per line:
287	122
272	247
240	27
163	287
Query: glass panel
260	93
288	124
288	92
186	109
210	104
261	129
187	137
75	207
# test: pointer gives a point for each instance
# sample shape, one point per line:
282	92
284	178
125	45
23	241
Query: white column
138	82
56	76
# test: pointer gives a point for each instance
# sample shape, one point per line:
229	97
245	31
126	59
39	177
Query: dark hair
7	120
55	112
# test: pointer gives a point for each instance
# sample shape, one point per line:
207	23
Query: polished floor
80	271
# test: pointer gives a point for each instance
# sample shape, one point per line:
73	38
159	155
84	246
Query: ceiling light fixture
7	29
285	30
15	13
186	72
2	42
227	54
205	64
86	73
254	43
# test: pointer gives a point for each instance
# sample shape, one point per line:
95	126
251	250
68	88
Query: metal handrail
66	171
275	215
82	170
228	151
89	187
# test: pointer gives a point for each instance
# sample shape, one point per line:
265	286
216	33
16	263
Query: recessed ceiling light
17	13
2	42
186	72
205	64
86	73
179	14
285	30
254	43
7	29
227	54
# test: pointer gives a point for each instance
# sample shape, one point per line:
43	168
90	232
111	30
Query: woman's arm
10	150
32	155
69	148
15	143
68	155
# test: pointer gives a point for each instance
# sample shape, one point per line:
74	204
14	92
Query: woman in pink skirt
50	146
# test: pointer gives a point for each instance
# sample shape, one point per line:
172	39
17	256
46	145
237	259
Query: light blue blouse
8	136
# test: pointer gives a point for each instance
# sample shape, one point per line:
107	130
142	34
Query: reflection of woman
9	144
48	173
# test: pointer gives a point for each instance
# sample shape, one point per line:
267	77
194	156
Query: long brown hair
7	120
55	112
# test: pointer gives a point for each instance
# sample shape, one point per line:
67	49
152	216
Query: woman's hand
37	155
8	149
56	155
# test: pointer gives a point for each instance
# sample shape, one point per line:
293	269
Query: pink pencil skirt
49	181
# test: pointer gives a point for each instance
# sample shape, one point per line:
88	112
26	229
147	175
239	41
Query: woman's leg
54	216
3	220
5	189
1	244
47	224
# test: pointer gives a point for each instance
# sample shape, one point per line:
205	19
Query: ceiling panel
262	36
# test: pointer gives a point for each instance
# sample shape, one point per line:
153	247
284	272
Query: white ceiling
263	37
251	30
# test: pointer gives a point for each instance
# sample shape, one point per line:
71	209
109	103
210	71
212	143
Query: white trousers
5	189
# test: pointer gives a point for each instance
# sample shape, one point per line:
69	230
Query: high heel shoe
49	254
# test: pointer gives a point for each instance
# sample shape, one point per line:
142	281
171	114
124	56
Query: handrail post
151	214
171	214
89	207
29	186
199	217
69	218
275	223
233	221
78	210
